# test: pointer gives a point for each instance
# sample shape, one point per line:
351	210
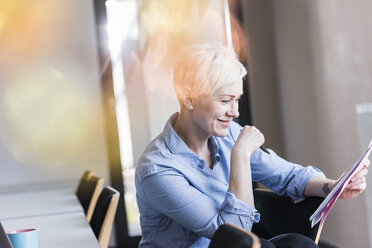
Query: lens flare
48	114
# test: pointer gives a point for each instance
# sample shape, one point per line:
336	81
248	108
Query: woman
197	174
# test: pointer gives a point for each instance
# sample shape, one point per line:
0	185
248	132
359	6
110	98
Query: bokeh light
47	114
49	102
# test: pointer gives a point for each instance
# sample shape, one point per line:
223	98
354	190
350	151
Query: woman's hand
356	185
249	140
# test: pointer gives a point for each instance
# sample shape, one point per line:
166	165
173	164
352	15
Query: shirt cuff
302	179
234	207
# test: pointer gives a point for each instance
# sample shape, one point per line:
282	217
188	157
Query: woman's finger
357	186
360	187
360	174
358	181
367	163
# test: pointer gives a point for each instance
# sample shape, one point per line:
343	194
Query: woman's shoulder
155	158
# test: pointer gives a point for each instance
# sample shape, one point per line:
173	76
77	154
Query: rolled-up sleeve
281	176
235	211
170	193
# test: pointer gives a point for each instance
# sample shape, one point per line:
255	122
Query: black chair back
86	190
81	187
230	236
101	209
279	214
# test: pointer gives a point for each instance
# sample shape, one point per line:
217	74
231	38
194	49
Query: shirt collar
174	143
215	149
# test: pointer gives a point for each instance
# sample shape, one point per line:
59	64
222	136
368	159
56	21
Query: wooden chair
279	214
231	236
88	192
103	215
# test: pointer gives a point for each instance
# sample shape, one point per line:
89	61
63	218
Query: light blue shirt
182	201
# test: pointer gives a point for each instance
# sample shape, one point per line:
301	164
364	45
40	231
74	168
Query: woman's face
212	114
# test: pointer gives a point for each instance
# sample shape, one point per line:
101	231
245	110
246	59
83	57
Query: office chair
88	192
231	236
280	215
103	215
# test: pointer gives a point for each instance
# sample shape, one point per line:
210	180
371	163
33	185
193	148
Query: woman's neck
190	134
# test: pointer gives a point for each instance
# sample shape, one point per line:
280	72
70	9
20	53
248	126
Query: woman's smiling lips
224	123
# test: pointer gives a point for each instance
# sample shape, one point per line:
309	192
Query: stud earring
191	107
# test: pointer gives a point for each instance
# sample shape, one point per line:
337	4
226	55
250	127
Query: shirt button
257	217
201	164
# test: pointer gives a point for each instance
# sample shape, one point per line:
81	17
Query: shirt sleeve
281	176
170	193
277	174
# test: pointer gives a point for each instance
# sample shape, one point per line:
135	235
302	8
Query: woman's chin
220	133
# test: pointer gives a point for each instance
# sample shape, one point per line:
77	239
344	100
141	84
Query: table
38	203
58	230
55	212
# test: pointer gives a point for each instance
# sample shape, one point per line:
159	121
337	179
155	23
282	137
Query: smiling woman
183	175
197	174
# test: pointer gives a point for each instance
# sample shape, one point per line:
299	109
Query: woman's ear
187	97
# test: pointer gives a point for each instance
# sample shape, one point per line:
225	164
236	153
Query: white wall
50	98
322	60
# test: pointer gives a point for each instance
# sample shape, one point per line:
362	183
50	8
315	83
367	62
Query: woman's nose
234	110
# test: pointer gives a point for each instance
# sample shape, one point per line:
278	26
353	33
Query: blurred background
85	84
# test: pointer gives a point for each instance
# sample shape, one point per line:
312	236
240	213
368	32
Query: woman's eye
225	101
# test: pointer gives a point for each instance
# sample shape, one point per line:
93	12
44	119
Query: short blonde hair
204	68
